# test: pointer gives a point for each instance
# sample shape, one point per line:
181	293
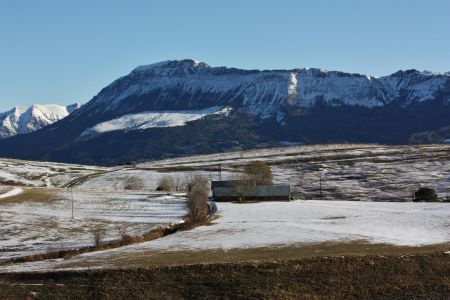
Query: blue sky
62	52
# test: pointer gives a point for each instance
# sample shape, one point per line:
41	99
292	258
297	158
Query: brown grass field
419	276
154	258
39	195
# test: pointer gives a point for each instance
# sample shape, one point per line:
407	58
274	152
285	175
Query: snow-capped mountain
21	120
185	106
189	84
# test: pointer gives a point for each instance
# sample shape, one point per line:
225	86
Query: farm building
233	190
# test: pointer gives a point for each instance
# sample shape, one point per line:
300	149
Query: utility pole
320	186
71	192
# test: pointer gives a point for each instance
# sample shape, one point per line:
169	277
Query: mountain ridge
304	87
159	110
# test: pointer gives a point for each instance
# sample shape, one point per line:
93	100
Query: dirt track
80	180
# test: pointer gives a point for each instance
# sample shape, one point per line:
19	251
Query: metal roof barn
233	191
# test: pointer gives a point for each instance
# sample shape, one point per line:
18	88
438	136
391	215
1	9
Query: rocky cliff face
188	84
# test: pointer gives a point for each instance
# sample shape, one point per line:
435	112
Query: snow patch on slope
14	192
292	89
154	119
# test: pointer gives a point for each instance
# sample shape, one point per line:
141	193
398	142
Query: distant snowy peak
21	120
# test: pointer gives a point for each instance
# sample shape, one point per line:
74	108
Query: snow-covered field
279	224
344	172
303	222
116	180
41	174
41	221
37	219
356	172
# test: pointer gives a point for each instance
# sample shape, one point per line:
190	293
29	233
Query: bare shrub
258	173
425	194
185	181
166	184
154	234
242	186
255	173
134	183
98	232
180	183
297	187
123	232
3	189
197	194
